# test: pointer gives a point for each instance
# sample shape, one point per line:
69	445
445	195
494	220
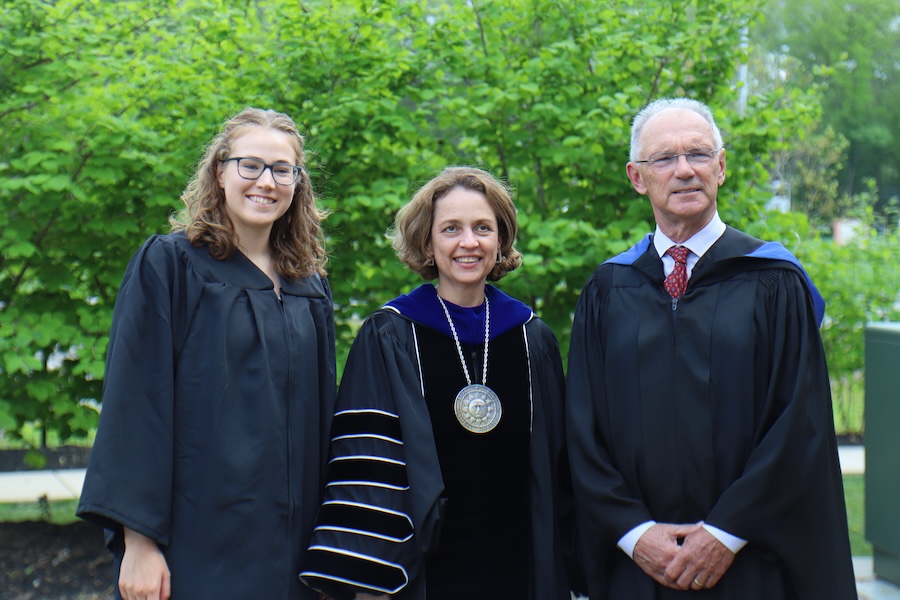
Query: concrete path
28	486
65	484
853	459
868	586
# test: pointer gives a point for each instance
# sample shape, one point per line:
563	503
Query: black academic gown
718	410
217	401
375	537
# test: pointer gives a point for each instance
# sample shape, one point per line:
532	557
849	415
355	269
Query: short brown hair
411	234
297	241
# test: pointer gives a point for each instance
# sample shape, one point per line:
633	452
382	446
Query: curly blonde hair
297	241
411	233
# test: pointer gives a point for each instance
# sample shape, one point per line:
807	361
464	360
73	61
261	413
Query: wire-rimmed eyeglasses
253	168
695	156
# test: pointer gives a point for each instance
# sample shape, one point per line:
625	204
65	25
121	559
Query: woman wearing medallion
208	465
448	477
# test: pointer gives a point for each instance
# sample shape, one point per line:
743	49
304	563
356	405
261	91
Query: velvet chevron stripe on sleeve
366	423
370	573
376	471
363	540
363	519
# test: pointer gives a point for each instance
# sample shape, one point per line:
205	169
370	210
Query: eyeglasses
696	157
253	168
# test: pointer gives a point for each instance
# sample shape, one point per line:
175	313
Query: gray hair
661	104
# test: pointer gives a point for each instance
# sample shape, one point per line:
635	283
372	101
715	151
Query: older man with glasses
701	434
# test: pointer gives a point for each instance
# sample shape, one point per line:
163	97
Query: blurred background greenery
105	108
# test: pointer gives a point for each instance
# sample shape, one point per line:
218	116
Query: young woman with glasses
220	378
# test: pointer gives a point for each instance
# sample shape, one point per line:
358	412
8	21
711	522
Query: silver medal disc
477	408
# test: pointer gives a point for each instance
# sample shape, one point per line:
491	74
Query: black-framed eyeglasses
697	157
253	168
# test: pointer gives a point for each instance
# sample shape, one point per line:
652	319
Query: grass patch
60	512
848	401
31	436
855	496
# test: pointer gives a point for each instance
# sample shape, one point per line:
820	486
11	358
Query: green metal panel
883	447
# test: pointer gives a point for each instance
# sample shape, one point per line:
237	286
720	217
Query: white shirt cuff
628	541
731	542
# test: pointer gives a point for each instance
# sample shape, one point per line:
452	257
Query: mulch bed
45	561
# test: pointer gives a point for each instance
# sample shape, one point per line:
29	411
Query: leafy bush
105	108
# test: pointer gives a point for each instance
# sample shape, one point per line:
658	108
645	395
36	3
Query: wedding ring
697	583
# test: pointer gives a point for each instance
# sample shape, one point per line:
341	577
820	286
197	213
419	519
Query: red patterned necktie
676	282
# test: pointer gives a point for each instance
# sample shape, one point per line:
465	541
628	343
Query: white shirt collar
698	243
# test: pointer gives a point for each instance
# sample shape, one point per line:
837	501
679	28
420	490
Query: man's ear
636	178
722	166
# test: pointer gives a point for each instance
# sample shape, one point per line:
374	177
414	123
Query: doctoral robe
383	504
217	401
714	408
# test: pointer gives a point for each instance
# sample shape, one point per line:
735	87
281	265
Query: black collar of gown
238	270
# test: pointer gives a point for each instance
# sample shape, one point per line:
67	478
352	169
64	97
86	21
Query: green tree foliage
860	281
65	166
97	141
808	174
105	107
853	49
540	93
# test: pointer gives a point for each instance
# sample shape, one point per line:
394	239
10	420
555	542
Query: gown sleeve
790	492
551	483
129	478
605	507
378	515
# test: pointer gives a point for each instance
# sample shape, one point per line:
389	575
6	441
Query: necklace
477	407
